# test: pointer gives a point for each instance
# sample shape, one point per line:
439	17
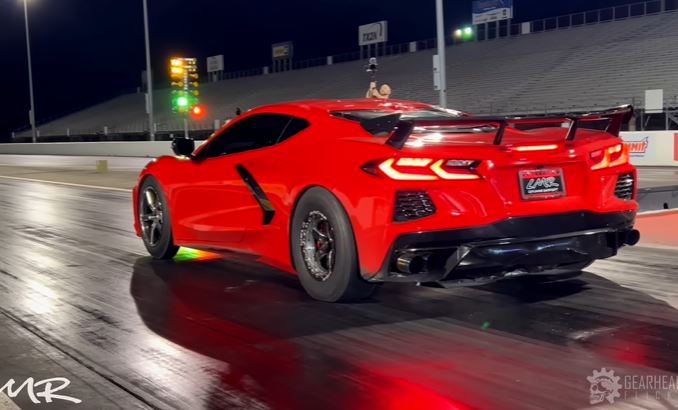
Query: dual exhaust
412	263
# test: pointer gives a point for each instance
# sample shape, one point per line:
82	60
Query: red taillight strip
387	168
438	169
529	148
607	161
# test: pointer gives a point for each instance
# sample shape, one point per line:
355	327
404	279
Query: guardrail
98	149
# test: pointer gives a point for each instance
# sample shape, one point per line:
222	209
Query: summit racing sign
638	148
485	11
652	148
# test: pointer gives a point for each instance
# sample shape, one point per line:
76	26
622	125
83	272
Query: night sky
86	51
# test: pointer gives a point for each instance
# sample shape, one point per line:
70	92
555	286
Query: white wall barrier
647	148
98	149
652	148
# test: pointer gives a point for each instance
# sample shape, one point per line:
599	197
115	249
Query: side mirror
183	146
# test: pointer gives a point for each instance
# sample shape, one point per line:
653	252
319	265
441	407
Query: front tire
156	229
324	249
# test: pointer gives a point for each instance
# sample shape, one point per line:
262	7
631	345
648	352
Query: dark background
86	51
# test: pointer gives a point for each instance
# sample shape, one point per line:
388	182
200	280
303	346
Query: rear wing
398	131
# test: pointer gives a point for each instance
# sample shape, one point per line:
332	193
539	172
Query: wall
648	148
109	149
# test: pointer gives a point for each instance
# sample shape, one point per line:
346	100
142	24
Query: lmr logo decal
50	386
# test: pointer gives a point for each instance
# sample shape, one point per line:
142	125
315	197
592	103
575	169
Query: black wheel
154	219
324	250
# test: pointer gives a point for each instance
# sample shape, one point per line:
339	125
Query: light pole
31	113
440	28
149	76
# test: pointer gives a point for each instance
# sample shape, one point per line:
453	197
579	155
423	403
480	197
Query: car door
217	206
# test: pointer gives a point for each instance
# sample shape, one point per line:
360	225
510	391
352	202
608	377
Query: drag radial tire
154	219
324	249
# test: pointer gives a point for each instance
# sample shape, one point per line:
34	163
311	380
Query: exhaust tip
632	237
410	264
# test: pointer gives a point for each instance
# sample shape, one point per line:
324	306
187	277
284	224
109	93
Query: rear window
419	115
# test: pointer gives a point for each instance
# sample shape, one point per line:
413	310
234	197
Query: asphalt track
80	298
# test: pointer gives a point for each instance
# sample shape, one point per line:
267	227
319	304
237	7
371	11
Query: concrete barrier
95	149
651	148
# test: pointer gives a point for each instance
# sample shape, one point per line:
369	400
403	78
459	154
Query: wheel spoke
330	260
152	229
151	200
317	232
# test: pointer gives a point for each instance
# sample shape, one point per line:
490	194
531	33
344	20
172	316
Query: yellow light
176	62
438	169
177	70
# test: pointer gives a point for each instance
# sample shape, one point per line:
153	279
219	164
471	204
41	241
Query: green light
182	101
468	31
194	255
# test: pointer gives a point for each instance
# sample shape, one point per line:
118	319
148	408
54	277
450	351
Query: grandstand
575	69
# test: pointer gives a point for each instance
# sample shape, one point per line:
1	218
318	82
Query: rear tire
324	249
154	219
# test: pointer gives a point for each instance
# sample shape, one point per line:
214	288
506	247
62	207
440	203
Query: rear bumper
525	245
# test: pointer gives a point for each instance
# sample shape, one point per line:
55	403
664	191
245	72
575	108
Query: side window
250	133
295	126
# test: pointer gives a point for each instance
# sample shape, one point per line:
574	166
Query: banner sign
282	51
485	11
373	33
215	63
652	148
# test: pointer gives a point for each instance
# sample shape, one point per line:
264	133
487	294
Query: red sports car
350	194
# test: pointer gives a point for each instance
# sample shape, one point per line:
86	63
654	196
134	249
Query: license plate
546	183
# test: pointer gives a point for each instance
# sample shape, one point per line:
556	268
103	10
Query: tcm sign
373	33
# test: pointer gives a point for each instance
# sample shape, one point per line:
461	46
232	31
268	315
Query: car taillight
610	157
425	169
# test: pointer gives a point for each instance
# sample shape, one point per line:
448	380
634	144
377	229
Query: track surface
79	298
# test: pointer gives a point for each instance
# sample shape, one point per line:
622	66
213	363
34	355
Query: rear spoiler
399	131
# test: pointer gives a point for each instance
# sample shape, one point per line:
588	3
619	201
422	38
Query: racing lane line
137	392
6	403
67	184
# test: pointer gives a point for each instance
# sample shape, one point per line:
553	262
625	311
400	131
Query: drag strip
77	287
